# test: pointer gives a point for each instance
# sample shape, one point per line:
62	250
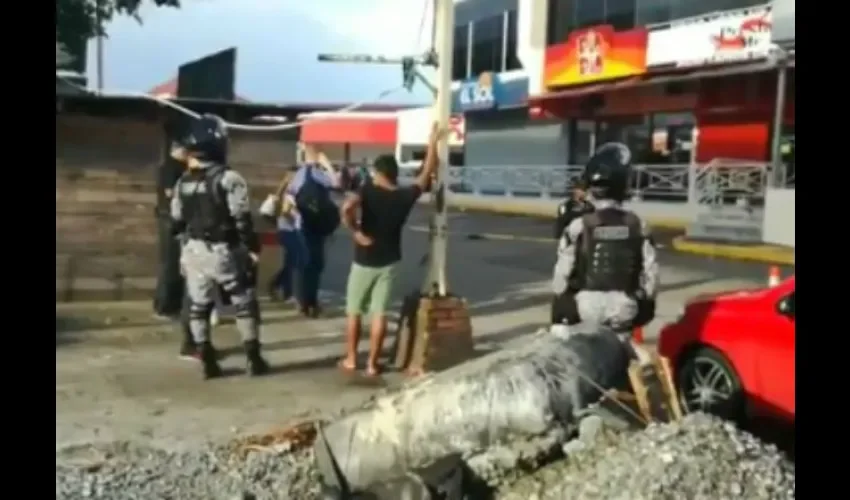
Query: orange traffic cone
637	335
773	276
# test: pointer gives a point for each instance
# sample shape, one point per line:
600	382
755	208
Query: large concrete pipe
529	389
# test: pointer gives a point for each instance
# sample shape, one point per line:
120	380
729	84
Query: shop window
653	11
589	13
487	46
512	61
620	14
559	21
690	8
456	157
632	131
672	137
460	55
582	141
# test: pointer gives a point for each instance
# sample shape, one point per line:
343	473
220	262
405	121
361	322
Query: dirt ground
118	377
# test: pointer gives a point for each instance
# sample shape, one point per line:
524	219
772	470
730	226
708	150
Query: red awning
657	79
351	130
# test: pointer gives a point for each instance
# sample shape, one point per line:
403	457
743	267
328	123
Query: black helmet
206	139
607	171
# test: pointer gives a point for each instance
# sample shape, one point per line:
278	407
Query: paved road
117	376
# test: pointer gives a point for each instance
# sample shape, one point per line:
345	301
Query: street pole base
434	333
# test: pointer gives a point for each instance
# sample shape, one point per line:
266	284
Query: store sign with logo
480	94
731	36
595	54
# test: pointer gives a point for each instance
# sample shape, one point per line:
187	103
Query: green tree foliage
82	19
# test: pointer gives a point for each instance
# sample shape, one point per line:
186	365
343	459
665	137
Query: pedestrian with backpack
279	210
311	188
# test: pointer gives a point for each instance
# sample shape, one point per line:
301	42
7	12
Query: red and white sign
731	36
414	126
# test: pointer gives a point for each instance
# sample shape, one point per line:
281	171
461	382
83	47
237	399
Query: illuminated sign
595	54
731	36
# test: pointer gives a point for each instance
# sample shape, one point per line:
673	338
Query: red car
733	353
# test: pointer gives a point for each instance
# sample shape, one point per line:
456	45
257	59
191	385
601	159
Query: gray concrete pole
778	118
436	282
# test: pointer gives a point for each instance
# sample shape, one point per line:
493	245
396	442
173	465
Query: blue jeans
311	267
292	255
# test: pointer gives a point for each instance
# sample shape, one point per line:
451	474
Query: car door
776	362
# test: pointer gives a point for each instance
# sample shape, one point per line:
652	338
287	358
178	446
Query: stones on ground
699	458
131	471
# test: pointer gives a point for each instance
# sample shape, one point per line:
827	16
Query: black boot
256	364
209	360
188	348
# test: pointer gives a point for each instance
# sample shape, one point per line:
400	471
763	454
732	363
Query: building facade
493	77
677	80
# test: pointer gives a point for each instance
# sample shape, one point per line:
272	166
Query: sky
277	43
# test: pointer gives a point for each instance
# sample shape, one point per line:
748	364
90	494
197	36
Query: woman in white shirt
281	208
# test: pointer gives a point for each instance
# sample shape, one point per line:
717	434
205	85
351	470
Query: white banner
414	126
730	36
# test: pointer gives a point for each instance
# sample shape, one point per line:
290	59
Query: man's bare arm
348	212
432	159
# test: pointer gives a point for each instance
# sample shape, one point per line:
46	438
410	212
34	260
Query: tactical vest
610	252
205	207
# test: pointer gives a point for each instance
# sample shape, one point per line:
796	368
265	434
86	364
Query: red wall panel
383	131
729	137
734	116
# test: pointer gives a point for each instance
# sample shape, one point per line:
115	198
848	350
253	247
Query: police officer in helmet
574	206
211	210
606	273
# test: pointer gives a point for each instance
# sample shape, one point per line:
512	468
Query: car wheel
707	383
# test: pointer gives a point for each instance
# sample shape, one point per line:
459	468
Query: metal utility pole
779	113
436	282
99	45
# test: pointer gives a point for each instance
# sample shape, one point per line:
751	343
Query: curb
760	253
484	206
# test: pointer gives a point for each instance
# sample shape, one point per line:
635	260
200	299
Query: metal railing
721	179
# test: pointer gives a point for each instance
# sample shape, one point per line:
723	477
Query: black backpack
319	213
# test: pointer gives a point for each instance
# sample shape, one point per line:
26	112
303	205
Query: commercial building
677	80
495	68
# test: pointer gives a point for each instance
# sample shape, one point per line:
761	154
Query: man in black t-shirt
383	210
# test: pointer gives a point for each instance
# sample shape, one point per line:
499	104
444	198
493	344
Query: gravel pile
699	458
125	471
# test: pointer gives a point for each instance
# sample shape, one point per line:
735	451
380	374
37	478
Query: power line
232	126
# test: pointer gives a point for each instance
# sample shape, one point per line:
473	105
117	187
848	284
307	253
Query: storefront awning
657	79
340	129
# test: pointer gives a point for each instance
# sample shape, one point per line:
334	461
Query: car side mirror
785	307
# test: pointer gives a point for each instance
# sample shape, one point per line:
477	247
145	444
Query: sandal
343	366
374	371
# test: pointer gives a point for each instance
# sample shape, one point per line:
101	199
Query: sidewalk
770	254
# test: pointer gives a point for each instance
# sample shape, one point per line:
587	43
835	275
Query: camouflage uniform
211	209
